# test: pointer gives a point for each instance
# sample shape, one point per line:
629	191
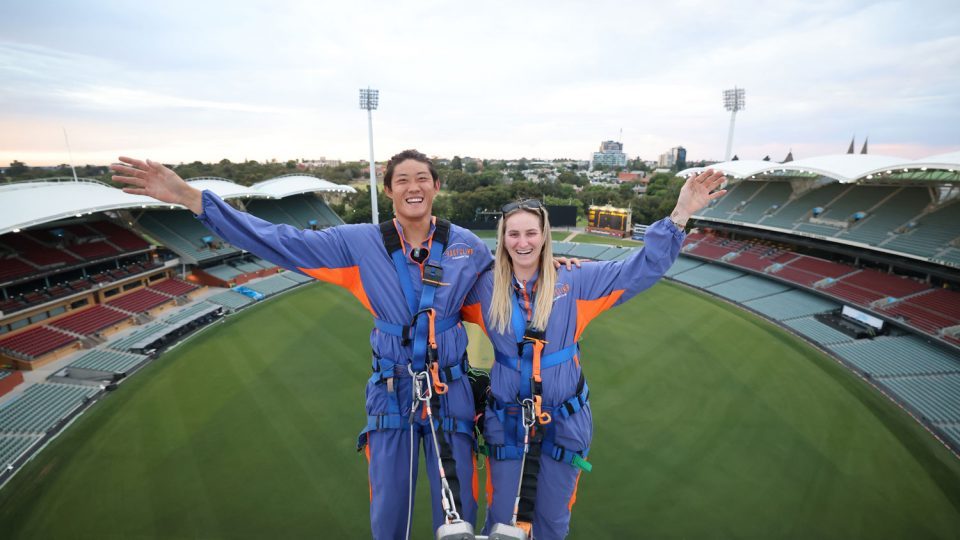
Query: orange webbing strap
527	528
542	417
438	386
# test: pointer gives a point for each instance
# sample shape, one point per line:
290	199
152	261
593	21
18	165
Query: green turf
709	423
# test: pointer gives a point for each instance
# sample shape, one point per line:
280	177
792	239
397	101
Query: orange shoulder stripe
587	310
348	278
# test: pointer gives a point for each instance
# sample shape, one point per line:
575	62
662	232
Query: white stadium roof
28	204
841	167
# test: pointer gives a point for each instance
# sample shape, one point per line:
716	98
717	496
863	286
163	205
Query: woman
538	406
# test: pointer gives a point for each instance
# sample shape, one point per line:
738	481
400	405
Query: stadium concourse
95	282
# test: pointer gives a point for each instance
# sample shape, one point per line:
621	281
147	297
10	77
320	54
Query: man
412	274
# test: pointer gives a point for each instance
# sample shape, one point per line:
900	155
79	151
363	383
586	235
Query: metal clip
528	412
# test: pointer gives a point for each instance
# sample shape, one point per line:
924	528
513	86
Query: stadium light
733	101
369	99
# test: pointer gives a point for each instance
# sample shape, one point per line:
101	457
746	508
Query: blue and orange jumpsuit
580	295
354	257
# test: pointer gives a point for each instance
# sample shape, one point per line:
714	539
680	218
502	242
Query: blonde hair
502	303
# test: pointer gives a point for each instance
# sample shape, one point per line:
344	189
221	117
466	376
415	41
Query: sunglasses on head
528	204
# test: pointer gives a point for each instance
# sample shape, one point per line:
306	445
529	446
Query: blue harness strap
385	369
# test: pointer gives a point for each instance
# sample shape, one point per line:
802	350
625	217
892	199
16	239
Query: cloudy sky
178	81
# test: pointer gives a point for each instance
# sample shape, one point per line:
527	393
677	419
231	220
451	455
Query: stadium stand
91	320
272	285
887	356
790	304
231	300
187	313
932	233
35	342
121	238
139	301
707	275
182	233
108	361
937	398
298	278
42	406
173	287
769	197
683	264
787	216
155	329
930	311
36	253
817	331
12	447
896	211
747	287
13	267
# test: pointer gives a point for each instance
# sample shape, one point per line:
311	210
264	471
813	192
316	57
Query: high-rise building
610	155
676	156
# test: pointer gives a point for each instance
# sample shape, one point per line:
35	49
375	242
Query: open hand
697	192
154	180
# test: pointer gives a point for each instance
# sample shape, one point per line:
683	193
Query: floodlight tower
733	101
369	99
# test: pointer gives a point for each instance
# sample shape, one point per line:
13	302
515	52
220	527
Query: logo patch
562	290
458	251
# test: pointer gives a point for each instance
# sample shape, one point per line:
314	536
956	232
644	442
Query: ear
388	191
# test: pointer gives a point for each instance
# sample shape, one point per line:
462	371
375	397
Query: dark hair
400	158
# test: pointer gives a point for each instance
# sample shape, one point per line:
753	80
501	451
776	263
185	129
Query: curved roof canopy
841	167
28	204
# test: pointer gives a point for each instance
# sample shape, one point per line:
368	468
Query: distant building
610	155
675	157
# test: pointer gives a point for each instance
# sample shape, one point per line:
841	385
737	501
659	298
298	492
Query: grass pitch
709	423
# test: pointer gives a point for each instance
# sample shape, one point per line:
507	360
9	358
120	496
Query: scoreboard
609	220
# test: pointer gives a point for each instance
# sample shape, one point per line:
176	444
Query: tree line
469	187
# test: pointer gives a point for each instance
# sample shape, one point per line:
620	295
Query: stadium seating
89	321
36	342
323	210
35	252
707	275
109	361
886	218
186	313
127	342
298	278
682	264
42	406
747	287
182	233
896	356
739	193
932	234
272	211
14	446
790	304
272	285
817	331
118	236
139	301
763	201
231	300
789	213
12	268
888	284
936	398
173	287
